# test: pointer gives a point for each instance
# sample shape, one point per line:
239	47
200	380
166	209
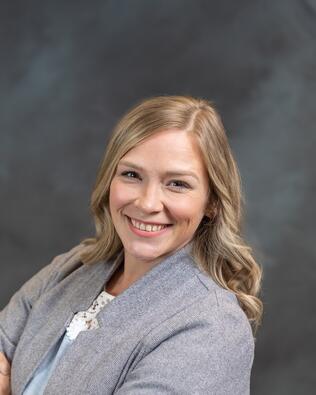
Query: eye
180	184
130	174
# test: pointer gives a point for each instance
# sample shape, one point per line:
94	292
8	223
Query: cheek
188	209
116	196
119	195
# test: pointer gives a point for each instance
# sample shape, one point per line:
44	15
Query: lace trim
86	320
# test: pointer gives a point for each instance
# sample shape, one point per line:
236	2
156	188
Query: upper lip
147	222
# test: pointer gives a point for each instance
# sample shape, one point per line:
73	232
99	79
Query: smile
147	227
143	229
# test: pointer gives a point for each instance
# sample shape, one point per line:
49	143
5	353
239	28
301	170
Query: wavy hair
217	245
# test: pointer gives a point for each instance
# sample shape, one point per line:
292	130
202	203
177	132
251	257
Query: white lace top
85	320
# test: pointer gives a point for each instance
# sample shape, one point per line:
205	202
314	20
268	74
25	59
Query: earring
209	217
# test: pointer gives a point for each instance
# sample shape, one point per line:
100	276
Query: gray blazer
173	331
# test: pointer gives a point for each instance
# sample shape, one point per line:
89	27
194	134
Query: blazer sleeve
14	316
202	357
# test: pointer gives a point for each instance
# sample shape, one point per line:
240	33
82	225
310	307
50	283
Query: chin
145	252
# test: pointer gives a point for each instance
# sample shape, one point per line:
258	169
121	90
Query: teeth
146	227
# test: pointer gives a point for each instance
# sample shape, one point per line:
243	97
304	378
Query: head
162	181
171	134
190	136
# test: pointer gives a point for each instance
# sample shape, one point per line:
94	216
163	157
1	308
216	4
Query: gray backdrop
69	69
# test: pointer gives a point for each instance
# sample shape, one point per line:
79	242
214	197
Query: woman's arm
5	373
14	316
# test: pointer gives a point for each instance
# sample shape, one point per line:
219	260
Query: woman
163	298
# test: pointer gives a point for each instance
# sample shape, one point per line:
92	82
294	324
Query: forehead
168	148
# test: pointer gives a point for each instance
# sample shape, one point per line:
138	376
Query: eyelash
183	185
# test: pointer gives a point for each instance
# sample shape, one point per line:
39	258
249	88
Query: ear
211	211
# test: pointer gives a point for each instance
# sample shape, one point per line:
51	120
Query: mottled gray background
69	69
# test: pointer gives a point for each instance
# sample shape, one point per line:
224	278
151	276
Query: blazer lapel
141	300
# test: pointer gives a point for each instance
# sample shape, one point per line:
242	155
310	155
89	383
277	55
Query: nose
149	199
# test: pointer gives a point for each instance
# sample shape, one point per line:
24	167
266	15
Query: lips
147	223
146	233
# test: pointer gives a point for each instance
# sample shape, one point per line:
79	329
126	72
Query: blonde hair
217	245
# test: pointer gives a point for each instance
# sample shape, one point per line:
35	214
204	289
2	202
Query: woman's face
159	194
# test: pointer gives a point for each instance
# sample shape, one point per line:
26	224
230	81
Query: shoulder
207	347
215	319
221	306
218	310
68	261
60	267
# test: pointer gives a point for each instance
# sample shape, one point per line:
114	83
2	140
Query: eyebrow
169	173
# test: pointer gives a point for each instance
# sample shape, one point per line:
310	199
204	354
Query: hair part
218	247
